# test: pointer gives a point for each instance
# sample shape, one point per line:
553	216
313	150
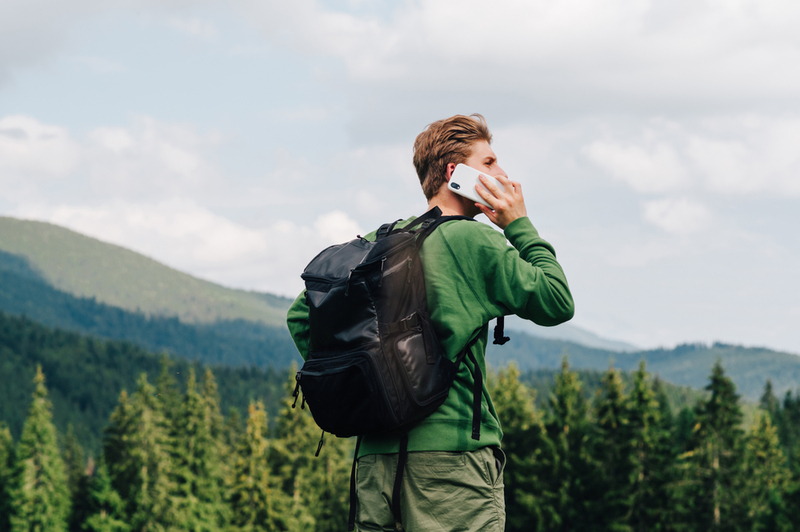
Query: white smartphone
463	182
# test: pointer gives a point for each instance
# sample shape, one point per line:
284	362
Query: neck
452	204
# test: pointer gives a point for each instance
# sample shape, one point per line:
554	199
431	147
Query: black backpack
374	364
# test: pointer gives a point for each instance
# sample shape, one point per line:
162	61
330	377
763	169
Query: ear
450	169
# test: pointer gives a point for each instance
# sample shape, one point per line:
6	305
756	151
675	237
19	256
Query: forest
85	375
619	461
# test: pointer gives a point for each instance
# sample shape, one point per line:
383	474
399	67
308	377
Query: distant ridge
685	365
63	279
87	267
568	333
230	342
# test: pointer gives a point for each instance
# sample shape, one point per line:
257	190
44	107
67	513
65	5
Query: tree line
234	343
622	461
85	375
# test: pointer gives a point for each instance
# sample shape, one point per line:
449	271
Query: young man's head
443	142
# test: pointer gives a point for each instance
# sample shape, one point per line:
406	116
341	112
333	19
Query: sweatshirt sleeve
297	321
525	279
544	295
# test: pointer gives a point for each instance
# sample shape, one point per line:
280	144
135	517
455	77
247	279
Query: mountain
24	292
67	280
569	333
86	267
686	365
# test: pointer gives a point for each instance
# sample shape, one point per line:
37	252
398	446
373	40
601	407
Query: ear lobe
451	167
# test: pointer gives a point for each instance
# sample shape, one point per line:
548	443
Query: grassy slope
229	342
86	267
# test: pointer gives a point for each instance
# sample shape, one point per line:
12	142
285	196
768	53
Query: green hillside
86	267
227	342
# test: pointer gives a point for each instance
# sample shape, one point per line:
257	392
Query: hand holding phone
463	182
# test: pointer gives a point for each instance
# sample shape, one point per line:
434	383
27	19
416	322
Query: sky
657	141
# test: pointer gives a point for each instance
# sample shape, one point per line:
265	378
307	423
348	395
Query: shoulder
471	244
473	232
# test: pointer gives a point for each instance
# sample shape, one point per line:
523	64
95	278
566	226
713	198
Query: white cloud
100	64
677	216
730	155
189	237
637	50
749	154
33	31
337	226
194	26
148	159
30	149
655	168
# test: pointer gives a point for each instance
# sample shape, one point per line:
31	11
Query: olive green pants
441	492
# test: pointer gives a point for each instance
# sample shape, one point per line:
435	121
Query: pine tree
167	388
212	411
233	428
105	508
253	491
529	454
80	498
712	466
39	496
788	424
138	455
614	455
768	402
316	488
650	419
568	428
73	460
767	476
118	446
198	470
654	504
7	461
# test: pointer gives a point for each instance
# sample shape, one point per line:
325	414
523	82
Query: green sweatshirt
472	276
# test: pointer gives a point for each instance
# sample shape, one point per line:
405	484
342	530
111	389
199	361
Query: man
451	481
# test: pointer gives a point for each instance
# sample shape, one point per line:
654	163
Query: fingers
511	187
491	186
497	198
506	204
488	197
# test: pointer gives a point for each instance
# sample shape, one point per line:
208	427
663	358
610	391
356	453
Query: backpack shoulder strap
425	220
385	229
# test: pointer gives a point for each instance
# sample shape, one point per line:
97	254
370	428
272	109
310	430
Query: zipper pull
321	441
296	389
303	403
380	279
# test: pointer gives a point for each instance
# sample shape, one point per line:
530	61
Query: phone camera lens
455	186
